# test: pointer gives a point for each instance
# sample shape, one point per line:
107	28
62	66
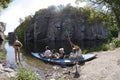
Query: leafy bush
105	47
115	42
84	51
25	74
110	45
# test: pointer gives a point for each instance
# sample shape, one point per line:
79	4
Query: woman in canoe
47	53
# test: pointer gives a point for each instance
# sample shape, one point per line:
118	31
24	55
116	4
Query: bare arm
20	44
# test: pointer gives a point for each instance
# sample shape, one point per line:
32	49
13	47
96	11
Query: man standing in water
17	45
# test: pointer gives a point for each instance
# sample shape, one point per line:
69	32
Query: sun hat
62	49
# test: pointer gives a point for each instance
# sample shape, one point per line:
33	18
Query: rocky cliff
56	24
2	29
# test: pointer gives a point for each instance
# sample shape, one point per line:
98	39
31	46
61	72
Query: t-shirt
47	53
79	53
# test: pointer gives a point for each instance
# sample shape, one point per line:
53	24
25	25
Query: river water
27	60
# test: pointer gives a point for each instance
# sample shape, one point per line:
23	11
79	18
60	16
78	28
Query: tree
112	5
4	3
22	27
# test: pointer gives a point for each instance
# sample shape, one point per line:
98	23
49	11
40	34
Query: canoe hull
66	61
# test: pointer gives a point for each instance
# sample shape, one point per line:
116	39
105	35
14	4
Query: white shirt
47	53
79	53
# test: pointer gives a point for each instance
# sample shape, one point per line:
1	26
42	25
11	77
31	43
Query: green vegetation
115	42
109	45
25	74
22	27
112	6
85	51
4	3
94	16
6	37
105	47
111	19
2	55
111	24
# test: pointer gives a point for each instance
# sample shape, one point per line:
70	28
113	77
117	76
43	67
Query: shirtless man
17	45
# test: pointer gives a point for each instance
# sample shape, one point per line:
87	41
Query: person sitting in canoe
47	53
61	52
55	54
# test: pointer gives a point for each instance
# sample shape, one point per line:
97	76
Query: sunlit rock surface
49	25
2	29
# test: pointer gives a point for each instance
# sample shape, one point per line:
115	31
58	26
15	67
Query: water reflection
2	43
29	60
10	56
84	44
26	59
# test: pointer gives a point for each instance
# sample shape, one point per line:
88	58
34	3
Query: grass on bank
2	55
24	74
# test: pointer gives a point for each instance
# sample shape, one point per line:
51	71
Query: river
27	60
34	64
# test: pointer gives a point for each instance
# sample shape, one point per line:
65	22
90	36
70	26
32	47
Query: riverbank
5	72
106	66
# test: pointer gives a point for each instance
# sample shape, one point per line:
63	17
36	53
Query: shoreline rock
5	72
106	66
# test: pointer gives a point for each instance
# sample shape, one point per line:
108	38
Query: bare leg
76	73
76	66
19	56
16	56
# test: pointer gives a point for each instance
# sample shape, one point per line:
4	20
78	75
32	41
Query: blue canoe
85	57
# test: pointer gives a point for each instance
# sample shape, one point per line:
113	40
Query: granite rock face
58	25
2	29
